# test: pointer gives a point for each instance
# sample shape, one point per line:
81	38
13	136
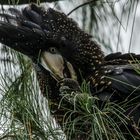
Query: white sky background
127	32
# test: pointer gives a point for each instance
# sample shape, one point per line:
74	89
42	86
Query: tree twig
12	2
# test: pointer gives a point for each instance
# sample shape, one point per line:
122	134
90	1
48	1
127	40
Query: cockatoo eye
52	50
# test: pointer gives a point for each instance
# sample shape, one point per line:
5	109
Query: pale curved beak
55	64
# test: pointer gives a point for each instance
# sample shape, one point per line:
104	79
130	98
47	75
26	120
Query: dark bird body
34	31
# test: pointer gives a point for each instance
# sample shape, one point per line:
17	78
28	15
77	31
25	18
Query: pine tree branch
12	2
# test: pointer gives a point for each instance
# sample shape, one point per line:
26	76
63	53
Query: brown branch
13	2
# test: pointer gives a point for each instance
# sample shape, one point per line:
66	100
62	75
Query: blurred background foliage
24	113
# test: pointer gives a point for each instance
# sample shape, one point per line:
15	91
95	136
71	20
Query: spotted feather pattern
36	25
85	50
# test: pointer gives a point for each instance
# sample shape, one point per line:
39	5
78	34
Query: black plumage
34	30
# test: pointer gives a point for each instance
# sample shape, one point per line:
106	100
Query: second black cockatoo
64	54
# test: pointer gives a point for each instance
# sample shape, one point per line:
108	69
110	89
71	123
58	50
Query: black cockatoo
63	55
